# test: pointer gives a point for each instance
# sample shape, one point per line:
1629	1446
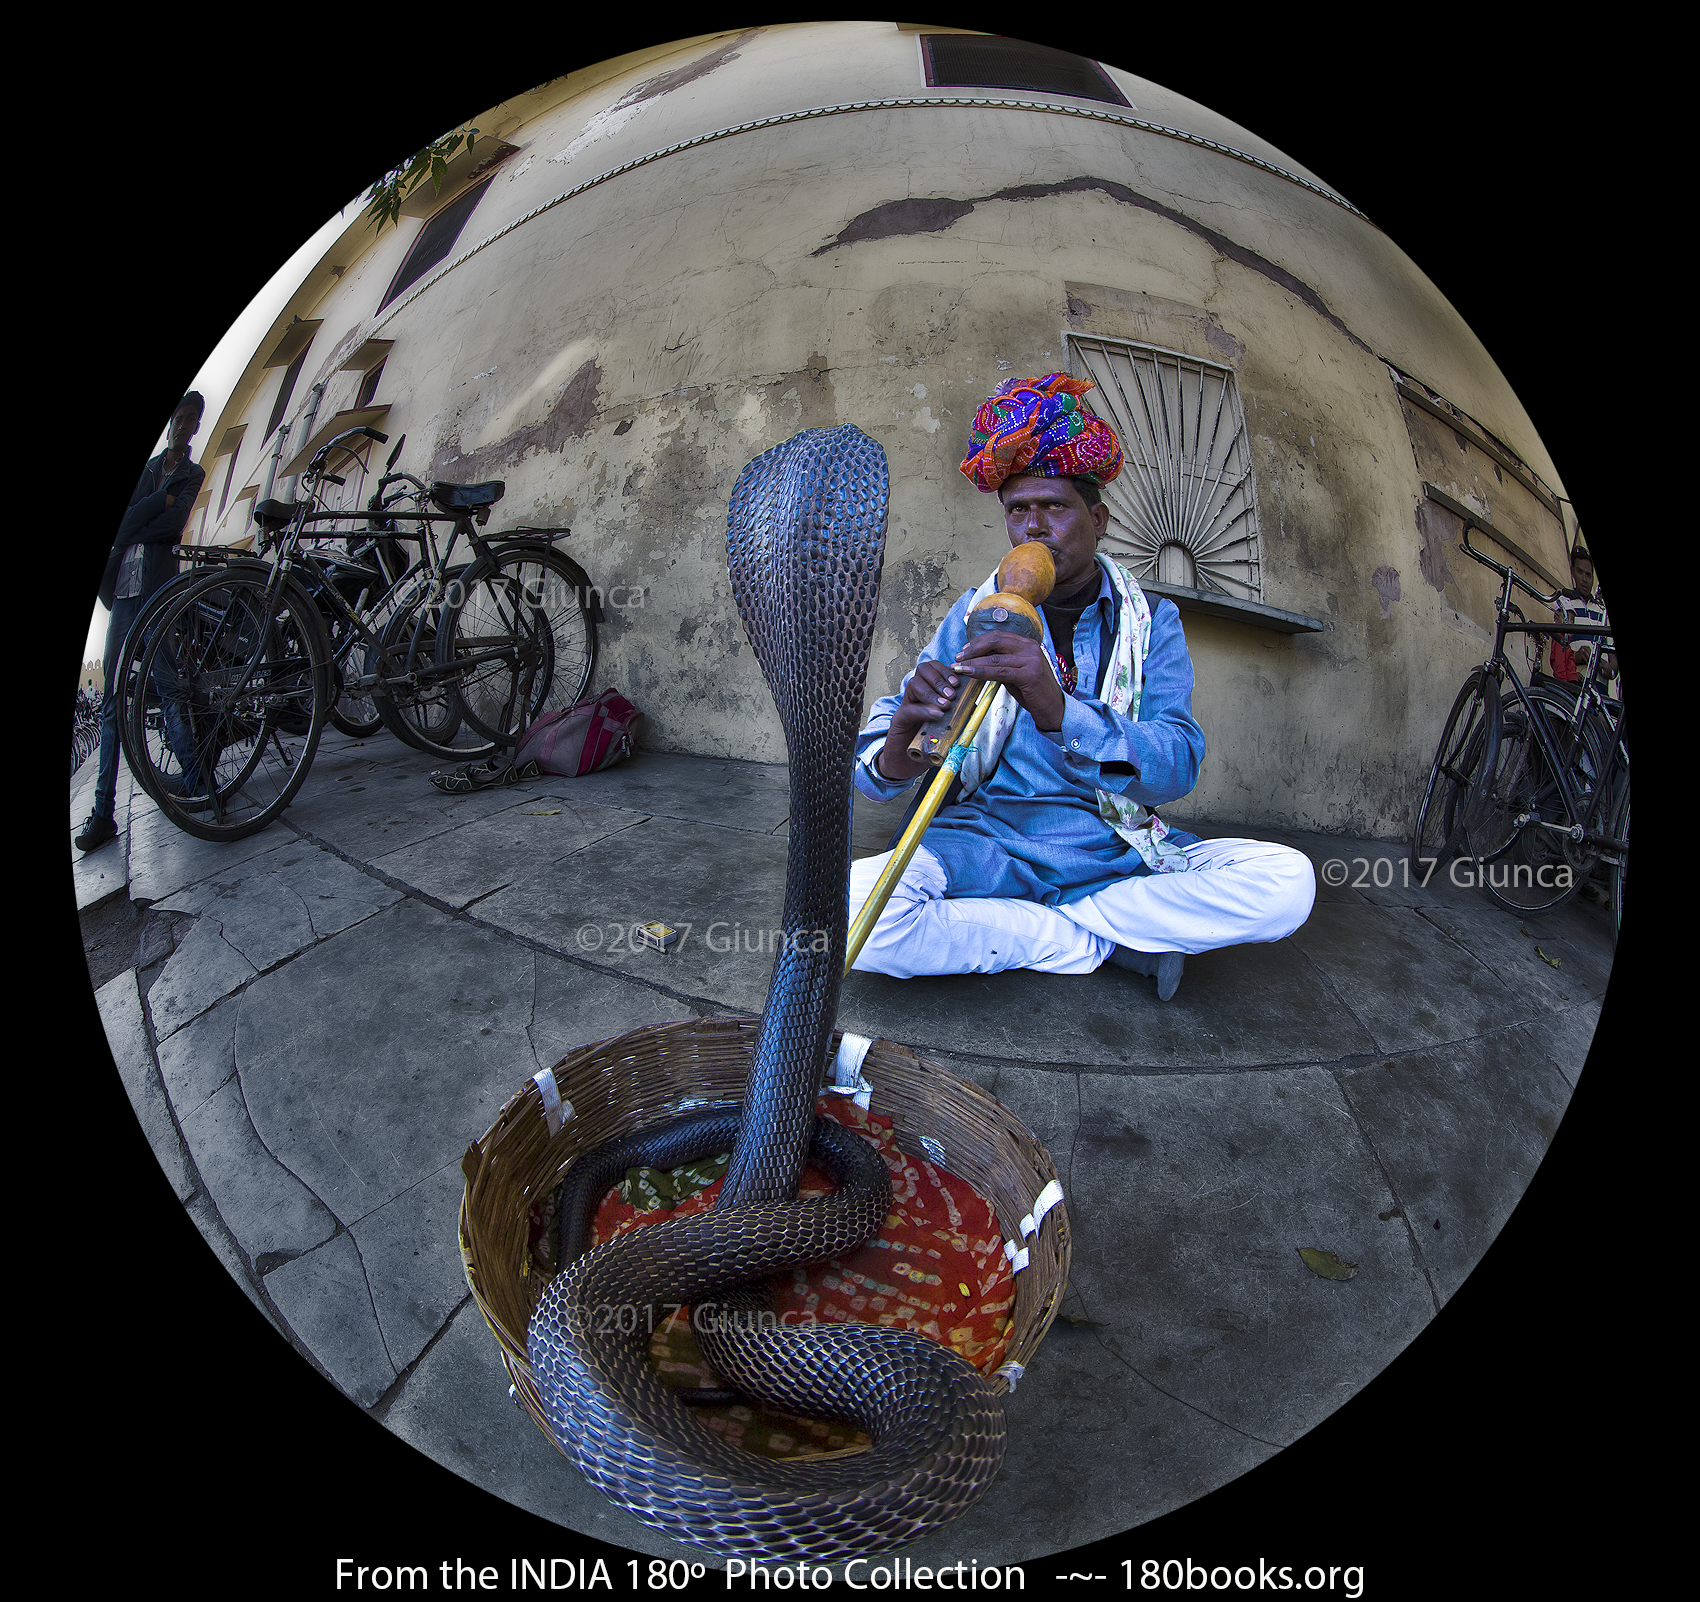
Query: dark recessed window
368	387
436	239
286	389
973	61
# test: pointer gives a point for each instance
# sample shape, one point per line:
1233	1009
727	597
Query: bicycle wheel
353	711
562	589
522	625
1526	860
1436	837
424	713
127	681
1620	863
243	689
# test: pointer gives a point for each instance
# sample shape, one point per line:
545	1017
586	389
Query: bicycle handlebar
1506	572
378	502
319	456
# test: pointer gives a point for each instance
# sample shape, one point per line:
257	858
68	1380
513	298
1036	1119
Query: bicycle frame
412	674
1580	829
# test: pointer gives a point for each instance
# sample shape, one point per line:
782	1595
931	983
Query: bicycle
472	609
1534	789
85	726
241	665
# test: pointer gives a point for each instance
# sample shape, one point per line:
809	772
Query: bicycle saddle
274	514
467	497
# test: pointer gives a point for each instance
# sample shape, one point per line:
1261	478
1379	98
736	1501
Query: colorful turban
1036	425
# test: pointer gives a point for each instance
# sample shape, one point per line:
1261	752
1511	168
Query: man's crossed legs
1234	892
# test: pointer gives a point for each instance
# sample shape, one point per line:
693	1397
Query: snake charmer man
1051	856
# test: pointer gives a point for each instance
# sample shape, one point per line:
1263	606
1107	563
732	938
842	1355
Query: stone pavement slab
1220	1016
120	1005
269	1211
385	805
1408	983
1460	1132
575	1007
728	887
410	1251
1190	1199
274	905
746	796
489	853
98	874
204	968
369	1069
200	1057
1512	948
163	859
1565	1037
324	1296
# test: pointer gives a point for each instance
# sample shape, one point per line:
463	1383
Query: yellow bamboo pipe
865	920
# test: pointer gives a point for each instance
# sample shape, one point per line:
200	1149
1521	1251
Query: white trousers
1234	892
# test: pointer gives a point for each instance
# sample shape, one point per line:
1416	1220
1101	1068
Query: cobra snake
805	540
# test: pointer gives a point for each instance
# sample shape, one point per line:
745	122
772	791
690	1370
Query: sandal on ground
470	776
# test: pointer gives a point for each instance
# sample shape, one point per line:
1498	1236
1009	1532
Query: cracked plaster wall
619	358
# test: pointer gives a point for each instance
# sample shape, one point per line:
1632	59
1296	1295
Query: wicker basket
621	1086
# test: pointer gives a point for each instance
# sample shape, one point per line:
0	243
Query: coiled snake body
805	540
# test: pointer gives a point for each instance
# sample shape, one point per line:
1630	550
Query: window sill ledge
1212	603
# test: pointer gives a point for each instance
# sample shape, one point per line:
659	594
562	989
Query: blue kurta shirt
1032	831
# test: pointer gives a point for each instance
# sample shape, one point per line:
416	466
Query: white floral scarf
1144	831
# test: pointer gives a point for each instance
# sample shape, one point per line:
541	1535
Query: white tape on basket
555	1111
1011	1372
847	1077
1042	1204
1017	1256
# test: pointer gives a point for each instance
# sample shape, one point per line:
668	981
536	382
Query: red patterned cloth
937	1267
1037	425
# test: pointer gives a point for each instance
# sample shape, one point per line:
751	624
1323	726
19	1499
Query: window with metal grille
965	60
436	239
1183	509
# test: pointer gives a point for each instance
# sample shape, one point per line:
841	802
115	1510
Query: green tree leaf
1326	1265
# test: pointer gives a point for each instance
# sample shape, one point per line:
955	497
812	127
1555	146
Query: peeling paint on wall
609	121
1385	582
899	217
665	82
570	417
810	390
1437	529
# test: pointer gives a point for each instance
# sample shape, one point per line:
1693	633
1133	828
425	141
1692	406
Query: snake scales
805	540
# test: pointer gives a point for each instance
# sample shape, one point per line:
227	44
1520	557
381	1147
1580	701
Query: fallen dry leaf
1326	1265
1551	962
555	814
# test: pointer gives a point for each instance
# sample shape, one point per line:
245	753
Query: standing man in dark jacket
140	562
